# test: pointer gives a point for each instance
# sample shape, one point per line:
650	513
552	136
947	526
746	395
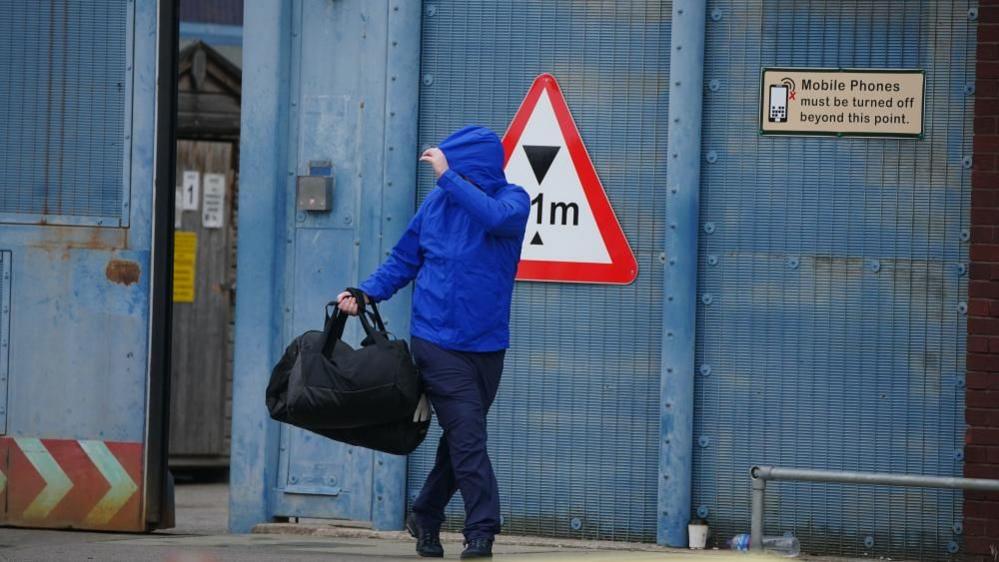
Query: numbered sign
191	186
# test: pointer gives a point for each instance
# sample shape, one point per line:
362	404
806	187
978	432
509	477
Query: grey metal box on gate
315	193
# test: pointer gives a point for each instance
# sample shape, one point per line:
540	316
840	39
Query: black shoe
428	543
478	548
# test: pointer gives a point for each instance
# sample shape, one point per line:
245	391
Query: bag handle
336	322
363	312
363	304
333	327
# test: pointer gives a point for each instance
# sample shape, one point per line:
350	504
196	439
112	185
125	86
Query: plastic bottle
788	547
739	542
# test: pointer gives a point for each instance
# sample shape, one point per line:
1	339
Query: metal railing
761	474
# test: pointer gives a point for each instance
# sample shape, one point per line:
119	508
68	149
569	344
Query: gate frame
264	120
159	505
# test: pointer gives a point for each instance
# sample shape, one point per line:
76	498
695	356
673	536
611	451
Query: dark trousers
461	386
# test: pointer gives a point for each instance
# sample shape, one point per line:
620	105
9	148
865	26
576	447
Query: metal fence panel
574	434
832	275
63	110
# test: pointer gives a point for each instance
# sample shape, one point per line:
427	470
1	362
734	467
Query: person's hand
422	412
348	303
437	159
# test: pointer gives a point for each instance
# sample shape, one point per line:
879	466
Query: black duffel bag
364	397
398	438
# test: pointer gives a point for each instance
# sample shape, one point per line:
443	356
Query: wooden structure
209	94
208	143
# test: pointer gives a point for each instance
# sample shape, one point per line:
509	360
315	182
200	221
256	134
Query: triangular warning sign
572	233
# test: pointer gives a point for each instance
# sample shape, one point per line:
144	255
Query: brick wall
981	460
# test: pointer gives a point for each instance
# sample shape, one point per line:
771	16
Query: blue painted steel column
680	281
253	464
402	99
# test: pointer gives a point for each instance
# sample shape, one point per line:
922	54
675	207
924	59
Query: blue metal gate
574	433
333	87
329	135
832	280
78	135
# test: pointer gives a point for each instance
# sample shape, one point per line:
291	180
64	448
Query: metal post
680	278
253	468
756	520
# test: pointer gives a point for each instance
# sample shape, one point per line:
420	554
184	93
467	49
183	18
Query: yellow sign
185	255
802	101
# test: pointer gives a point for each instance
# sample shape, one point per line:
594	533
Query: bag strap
337	321
377	318
363	312
377	333
333	327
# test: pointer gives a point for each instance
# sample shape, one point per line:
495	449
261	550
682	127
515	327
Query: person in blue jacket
462	247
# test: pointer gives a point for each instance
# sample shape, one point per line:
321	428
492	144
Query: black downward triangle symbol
536	241
541	158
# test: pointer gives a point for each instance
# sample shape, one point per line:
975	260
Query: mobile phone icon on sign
778	104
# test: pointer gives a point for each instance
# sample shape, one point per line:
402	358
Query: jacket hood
477	154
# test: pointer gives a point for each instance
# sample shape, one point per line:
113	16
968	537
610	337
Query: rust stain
123	272
63	239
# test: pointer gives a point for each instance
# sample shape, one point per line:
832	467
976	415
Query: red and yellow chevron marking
82	484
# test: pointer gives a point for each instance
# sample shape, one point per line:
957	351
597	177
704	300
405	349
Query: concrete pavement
200	536
32	545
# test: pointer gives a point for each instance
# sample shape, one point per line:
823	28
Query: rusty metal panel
77	357
77	354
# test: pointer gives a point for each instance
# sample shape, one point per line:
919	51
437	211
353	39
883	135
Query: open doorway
204	262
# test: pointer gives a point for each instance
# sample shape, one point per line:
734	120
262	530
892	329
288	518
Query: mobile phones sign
802	101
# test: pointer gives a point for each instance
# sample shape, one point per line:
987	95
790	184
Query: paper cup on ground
697	535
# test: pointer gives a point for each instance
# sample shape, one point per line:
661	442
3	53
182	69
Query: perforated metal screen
835	334
62	108
574	432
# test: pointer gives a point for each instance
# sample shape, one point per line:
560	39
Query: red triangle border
623	268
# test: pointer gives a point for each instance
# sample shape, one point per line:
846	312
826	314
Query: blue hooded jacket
462	247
